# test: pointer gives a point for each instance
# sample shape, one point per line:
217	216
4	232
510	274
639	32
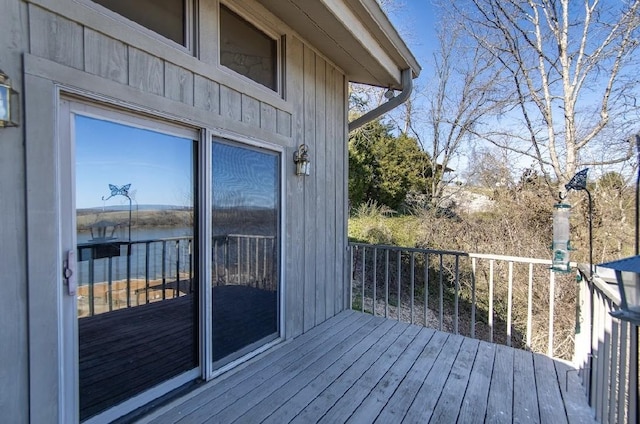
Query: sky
159	169
158	166
416	23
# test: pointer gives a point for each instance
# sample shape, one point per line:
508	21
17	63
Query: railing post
509	302
552	297
399	273
413	281
375	278
473	297
441	294
633	375
364	272
491	300
386	283
530	306
457	294
426	288
351	270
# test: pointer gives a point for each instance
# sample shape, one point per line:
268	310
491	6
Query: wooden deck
360	369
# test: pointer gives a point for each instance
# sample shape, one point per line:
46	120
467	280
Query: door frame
55	341
67	108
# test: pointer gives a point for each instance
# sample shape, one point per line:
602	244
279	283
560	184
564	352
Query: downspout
407	88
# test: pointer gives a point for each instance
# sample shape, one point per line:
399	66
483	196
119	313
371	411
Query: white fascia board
371	45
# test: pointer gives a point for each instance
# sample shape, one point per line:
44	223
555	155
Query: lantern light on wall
301	159
8	102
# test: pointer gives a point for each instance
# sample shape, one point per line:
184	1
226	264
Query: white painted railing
502	299
606	353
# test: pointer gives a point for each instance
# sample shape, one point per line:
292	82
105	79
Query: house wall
75	48
14	371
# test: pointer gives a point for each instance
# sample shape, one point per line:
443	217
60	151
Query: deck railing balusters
109	297
473	297
386	283
491	262
509	302
552	297
441	294
91	286
176	290
375	278
413	282
164	269
606	349
457	287
364	268
426	288
398	298
457	294
147	246
529	306
169	266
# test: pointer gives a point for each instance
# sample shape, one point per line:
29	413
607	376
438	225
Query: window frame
266	30
190	25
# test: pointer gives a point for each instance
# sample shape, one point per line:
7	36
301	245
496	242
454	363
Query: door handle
69	272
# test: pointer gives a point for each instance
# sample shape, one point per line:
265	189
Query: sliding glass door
137	296
176	244
245	220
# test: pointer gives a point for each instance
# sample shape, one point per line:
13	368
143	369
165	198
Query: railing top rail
608	287
141	241
409	249
506	258
245	236
516	259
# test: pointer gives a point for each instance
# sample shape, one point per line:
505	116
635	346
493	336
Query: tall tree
569	78
385	167
458	96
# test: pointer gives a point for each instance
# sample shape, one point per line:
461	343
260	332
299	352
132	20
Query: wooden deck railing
502	299
606	353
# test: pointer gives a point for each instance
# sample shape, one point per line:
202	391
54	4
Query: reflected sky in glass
158	166
244	177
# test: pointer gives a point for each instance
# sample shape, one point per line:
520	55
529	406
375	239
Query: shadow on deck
363	369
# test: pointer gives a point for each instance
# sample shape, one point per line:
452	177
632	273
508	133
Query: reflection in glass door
137	291
245	257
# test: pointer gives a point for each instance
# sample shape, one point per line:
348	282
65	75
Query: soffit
354	34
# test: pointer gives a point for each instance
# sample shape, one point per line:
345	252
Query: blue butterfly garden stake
121	191
118	191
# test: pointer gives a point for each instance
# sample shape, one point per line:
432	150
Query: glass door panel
137	291
245	257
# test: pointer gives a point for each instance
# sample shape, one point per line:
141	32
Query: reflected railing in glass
121	274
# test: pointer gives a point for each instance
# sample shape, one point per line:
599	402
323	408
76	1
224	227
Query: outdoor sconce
8	102
627	276
301	159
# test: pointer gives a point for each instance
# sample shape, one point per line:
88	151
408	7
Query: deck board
474	404
361	369
447	408
525	400
401	400
549	397
500	402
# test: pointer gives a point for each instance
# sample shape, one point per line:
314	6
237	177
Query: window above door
171	19
248	50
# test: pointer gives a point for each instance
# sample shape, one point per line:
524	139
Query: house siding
71	46
14	368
